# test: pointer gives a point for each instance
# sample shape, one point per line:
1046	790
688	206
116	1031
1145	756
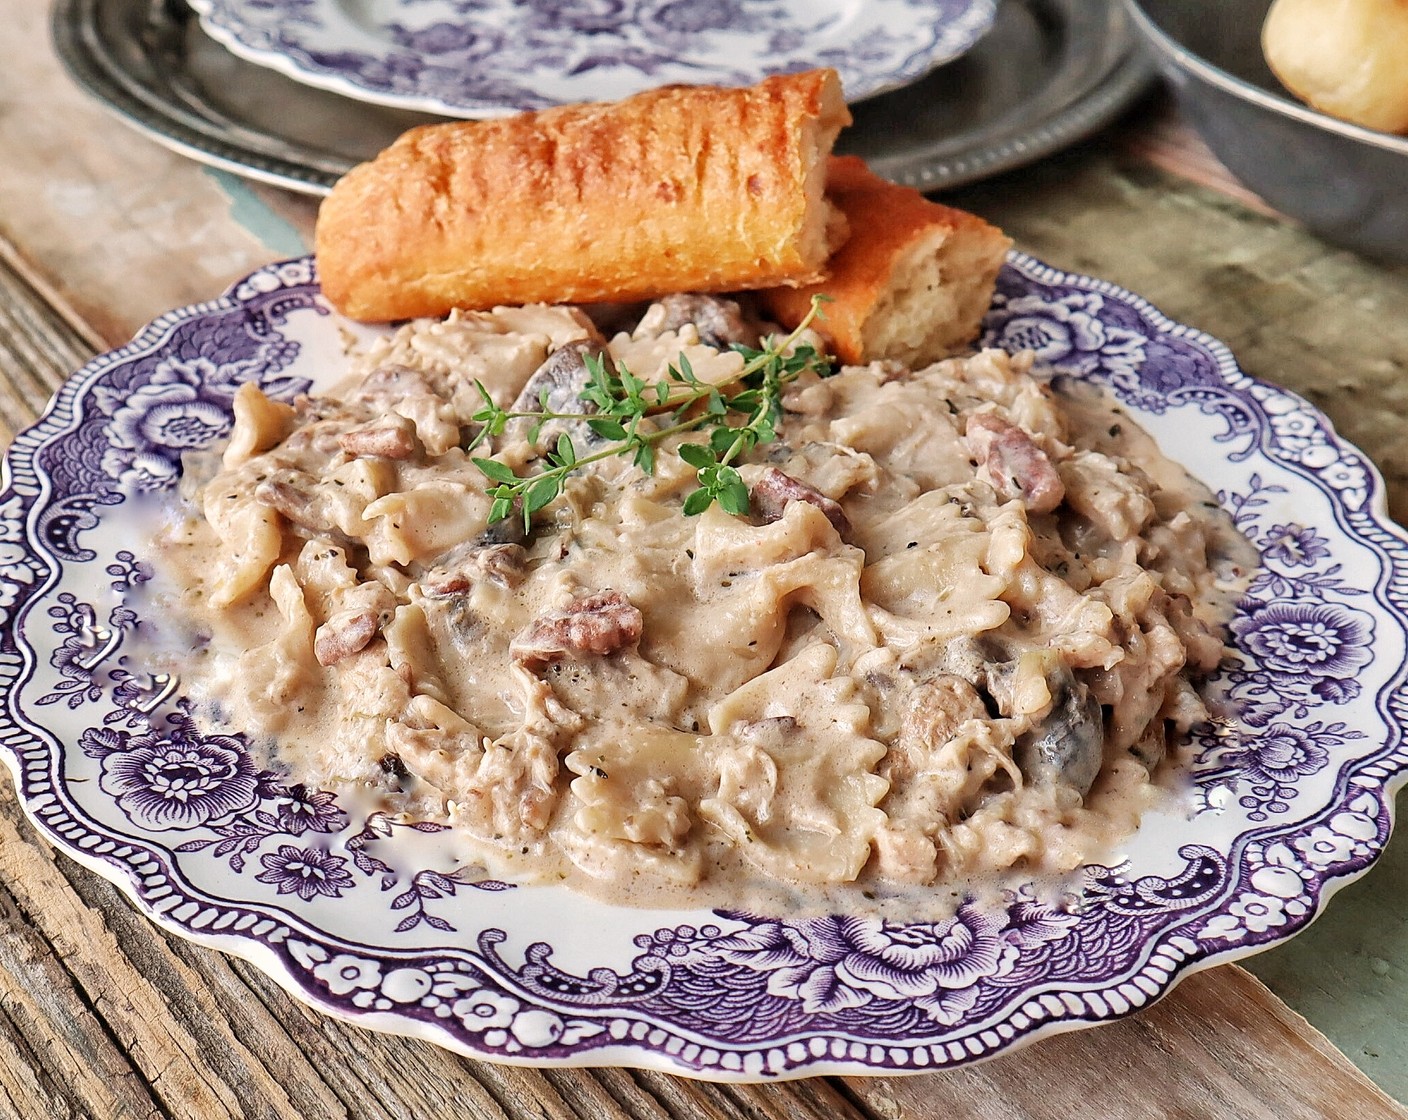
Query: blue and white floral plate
1291	788
484	58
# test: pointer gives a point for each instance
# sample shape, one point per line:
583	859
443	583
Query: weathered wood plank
62	1061
121	226
1221	1046
38	345
165	1031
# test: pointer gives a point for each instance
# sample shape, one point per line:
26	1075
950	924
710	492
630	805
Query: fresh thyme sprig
621	401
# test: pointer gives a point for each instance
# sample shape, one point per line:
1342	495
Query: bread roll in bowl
1347	58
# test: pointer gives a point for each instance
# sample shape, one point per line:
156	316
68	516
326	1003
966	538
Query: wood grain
1220	1046
109	217
39	341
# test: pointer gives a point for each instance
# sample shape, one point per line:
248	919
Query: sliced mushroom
720	322
295	494
502	564
402	391
563	377
1069	745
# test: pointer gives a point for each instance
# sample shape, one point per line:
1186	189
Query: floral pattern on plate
369	917
482	58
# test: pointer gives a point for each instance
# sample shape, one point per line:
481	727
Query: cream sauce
1015	602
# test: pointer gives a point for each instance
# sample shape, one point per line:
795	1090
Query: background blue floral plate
483	58
1291	786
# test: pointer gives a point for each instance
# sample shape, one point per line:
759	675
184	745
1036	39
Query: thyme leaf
736	416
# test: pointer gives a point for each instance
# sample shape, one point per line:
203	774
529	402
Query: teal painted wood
1348	973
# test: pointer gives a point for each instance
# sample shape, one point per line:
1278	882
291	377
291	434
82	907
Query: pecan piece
393	439
1013	463
344	634
600	624
361	611
776	489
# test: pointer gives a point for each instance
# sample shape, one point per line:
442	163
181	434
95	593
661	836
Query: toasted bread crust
912	280
675	189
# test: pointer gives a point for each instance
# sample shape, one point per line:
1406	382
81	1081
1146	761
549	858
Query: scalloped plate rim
61	414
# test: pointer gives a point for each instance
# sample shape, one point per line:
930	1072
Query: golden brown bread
912	280
1348	58
675	189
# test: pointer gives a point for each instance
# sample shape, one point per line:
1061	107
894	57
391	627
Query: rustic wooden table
103	1015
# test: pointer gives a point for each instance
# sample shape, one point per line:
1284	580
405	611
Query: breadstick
676	189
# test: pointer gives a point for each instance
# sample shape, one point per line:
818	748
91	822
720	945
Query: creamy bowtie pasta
955	633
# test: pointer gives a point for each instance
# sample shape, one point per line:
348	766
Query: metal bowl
1349	184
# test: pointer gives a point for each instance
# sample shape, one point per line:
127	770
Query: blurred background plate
1347	183
486	58
1049	73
